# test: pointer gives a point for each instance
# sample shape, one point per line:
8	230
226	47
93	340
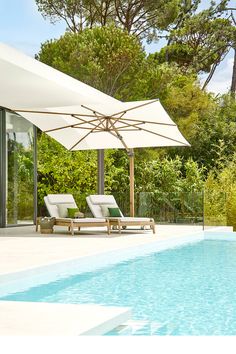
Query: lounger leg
119	227
72	228
37	225
153	226
108	227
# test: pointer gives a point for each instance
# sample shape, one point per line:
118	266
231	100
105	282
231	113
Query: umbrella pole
100	167
131	174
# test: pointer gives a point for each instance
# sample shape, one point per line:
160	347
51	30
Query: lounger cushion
63	209
105	209
115	212
102	199
134	219
74	213
60	199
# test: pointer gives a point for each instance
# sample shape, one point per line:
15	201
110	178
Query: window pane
20	170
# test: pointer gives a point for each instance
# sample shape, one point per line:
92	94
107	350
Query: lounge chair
99	206
57	206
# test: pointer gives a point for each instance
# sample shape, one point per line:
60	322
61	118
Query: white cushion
105	210
89	220
53	200
63	209
95	202
130	219
102	199
60	198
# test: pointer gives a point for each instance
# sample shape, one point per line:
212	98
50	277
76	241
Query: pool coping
53	319
88	263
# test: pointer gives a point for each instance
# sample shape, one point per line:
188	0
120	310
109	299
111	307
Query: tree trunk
233	83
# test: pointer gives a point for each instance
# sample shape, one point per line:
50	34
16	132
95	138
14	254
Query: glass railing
181	208
215	208
206	208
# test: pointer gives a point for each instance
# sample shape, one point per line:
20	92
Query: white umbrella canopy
118	125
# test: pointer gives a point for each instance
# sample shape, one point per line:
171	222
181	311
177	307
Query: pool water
189	290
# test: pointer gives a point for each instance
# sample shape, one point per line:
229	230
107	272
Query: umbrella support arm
131	174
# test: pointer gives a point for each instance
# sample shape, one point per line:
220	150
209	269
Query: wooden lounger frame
72	223
119	223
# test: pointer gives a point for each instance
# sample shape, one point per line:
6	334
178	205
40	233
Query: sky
24	28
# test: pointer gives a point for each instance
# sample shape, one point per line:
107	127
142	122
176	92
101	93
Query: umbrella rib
94	111
127	125
147	121
129	129
149	131
85	121
85	136
104	126
163	136
70	126
132	108
120	137
50	112
87	128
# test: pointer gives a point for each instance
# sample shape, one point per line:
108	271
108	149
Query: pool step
138	327
129	328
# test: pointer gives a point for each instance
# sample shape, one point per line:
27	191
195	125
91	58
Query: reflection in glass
19	170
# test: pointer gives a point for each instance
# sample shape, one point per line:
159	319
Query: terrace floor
22	248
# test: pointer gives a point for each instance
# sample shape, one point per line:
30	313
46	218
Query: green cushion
115	212
72	212
63	209
105	210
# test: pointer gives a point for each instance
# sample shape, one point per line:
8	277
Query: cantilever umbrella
118	125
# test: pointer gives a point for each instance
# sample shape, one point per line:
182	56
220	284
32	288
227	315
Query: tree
145	18
233	82
213	134
201	44
106	58
220	192
139	17
197	39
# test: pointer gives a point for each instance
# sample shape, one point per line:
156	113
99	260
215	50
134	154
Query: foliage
214	135
106	58
139	17
20	182
220	186
200	39
63	171
195	38
201	42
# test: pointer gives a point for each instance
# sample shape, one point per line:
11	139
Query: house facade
18	170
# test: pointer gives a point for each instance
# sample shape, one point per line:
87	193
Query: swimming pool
187	290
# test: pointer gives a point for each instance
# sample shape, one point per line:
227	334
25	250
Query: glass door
19	174
2	168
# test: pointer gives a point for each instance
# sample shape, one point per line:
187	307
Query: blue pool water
190	290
